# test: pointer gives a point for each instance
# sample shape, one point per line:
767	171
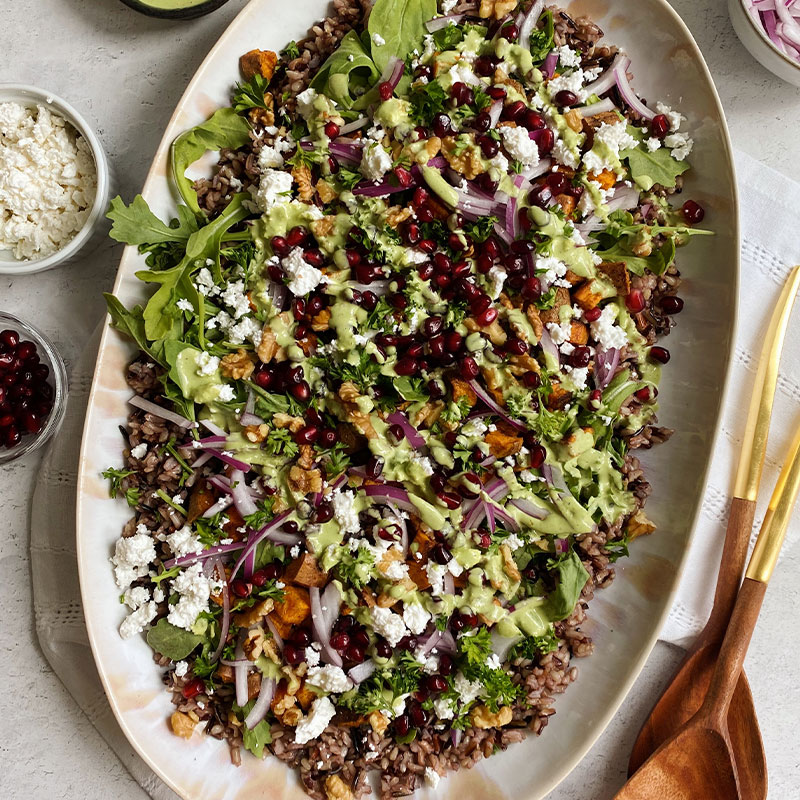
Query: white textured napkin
769	202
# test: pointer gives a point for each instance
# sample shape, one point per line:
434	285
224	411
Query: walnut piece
253	615
256	433
397	214
467	161
337	789
378	722
268	347
326	192
639	525
496	8
482	717
305	187
509	565
182	724
253	645
304	481
238	365
321	321
349	395
323	227
283	420
429	150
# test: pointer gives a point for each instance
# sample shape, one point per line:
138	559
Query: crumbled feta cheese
136	596
613	138
158	594
462	72
305	102
605	332
274	188
579	376
303	277
236	299
680	145
48	181
132	556
388	624
181	668
468	690
204	283
448	6
443	708
675	119
568	57
396	571
514	542
423	462
183	541
375	162
269	158
653	143
553	269
345	512
497	275
378	40
139	452
500	163
564	155
454	568
184	305
435	573
431	777
194	590
136	621
493	661
295	551
206	363
571	81
520	146
312	725
312	657
415	617
559	333
329	678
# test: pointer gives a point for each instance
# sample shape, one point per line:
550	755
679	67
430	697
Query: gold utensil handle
773	530
754	441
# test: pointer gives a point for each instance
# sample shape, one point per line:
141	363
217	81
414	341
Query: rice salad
403	347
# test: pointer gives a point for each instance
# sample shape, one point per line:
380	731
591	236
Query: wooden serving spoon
699	760
686	691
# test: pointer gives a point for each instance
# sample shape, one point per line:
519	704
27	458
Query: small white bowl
32	96
755	39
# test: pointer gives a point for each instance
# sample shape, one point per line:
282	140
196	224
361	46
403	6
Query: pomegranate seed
297	236
445	664
385	90
404	177
443	281
280	246
486	317
374	467
592	314
659	126
468	368
275	272
483	540
693	212
263	378
482	122
537	455
425	271
580	357
453	341
513	111
644	395
340	641
323	513
546	141
307	435
293	654
314	257
402	725
369	300
193	688
489	147
333	165
301	637
355	653
516	347
406	366
532	288
485	182
496	92
595	398
425	214
442	125
440	554
435	389
533	120
383	650
328	437
259	578
449	499
240	588
301	391
344	623
427	246
411	233
484	66
671	304
635	301
566	98
484	263
442	263
557	181
510	31
431	327
9	339
353	257
531	380
331	130
660	354
436	683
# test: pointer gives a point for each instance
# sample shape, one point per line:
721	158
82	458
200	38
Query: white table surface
126	72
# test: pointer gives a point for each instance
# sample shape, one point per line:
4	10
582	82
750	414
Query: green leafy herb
291	51
456	411
448	37
280	443
115	477
355	569
133	496
250	94
337	460
257	738
258	519
532	647
348	178
426	102
172	641
618	548
481	229
362	373
542	37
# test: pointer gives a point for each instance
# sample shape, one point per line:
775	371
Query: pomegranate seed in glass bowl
33	389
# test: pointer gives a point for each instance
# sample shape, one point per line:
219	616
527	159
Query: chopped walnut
268	347
323	227
494	331
253	685
349	392
238	365
321	322
493	384
253	615
253	645
388	558
256	433
482	717
386	600
429	150
325	191
509	565
396	215
263	116
467	162
337	789
378	722
501	78
305	187
283	420
427	415
349	395
182	724
271	650
532	313
306	458
574	120
304	481
496	8
639	525
522	364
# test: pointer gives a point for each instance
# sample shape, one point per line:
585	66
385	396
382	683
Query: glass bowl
57	379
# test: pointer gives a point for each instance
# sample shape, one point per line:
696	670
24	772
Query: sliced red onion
503	233
605	365
499	511
216	550
490	522
384	493
275	635
378	288
411	433
241	494
490	402
220	505
354	125
240	676
346	152
495	111
397	72
437	23
233	662
322	633
213	427
221	482
527	507
254	539
431	642
379	190
226	612
248	417
528	23
534	172
547	474
550	64
557	480
331	605
625	198
261	706
561	546
549	346
162	413
475	515
605	81
360	672
230	460
201	460
629	95
449	583
456	734
601	107
512	225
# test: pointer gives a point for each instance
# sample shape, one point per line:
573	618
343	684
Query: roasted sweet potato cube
585	297
305	697
295	606
558	397
200	500
567	203
304	571
261	62
579	333
422	544
283	628
617	273
502	444
572	277
463	389
280	693
606	178
418	574
345	718
234	523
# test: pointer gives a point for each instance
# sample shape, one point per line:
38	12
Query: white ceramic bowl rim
64	109
762	33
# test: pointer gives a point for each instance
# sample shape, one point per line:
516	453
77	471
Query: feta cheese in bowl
54	181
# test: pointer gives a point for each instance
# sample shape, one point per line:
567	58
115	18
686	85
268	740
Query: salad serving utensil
686	691
699	760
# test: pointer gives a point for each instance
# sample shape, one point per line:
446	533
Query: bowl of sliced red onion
770	30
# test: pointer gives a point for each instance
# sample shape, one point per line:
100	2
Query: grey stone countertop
126	72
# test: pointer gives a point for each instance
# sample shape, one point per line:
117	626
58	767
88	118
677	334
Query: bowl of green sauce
175	9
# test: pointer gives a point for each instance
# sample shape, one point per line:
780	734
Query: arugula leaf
448	37
225	128
411	389
572	577
259	737
258	519
648	169
401	25
542	38
137	224
171	641
166	575
250	94
347	178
